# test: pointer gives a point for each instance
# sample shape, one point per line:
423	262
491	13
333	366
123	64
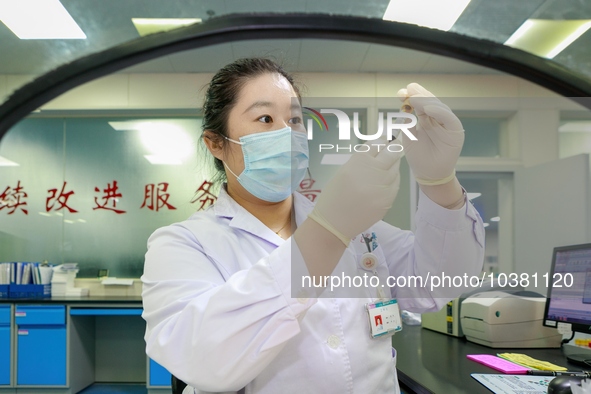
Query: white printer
447	320
510	320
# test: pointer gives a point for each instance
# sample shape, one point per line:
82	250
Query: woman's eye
296	120
265	119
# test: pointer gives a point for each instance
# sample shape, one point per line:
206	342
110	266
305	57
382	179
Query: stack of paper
62	281
76	291
532	363
115	281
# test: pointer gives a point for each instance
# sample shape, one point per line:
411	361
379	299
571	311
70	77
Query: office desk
431	362
63	344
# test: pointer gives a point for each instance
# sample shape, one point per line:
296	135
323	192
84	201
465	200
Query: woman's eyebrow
259	104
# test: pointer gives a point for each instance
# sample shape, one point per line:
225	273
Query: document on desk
514	384
118	282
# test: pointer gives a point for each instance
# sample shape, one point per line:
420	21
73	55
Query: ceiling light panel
436	14
39	19
576	127
167	160
168	141
146	26
4	162
547	38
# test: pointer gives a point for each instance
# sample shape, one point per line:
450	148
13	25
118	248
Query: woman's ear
213	141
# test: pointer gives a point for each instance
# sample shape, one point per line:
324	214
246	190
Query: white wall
552	203
145	91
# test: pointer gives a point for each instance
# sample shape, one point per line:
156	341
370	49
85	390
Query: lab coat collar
303	206
226	206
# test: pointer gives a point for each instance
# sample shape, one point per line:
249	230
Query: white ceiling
107	23
311	56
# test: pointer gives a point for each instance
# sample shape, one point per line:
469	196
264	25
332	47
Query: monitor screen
569	288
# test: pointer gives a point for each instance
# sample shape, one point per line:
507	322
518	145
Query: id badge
384	318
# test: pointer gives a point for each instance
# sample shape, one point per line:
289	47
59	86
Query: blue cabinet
41	345
159	376
5	352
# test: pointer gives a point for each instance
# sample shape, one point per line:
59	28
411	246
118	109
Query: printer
507	319
447	320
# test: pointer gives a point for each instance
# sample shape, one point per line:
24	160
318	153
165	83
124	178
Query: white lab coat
220	315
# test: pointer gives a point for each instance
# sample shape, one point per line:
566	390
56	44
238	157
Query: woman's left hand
440	137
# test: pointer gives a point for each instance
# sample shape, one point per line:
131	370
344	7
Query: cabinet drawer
159	376
41	356
26	315
5	355
4	315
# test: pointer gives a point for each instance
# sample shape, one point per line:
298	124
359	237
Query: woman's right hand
361	192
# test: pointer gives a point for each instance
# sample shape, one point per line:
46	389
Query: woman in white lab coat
223	299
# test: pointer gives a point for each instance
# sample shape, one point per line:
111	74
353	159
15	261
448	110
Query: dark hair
223	90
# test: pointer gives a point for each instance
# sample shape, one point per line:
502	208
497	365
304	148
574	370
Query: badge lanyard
383	313
369	261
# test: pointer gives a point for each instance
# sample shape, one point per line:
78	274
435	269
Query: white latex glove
440	137
360	193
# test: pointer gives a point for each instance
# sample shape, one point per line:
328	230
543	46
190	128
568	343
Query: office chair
177	385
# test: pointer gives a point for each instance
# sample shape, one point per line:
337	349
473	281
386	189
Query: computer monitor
569	292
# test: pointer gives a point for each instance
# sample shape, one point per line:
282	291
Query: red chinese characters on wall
111	196
156	197
13	199
61	199
204	196
306	189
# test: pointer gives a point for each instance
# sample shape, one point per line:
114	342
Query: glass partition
91	190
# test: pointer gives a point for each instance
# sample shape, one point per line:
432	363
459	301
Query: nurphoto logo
395	124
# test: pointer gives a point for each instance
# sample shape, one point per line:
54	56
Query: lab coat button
302	296
333	341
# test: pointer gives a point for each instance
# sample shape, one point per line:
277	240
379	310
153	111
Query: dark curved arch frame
543	72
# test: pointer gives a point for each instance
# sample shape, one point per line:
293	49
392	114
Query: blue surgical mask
275	163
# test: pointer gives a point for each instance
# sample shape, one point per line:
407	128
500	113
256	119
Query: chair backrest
177	385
